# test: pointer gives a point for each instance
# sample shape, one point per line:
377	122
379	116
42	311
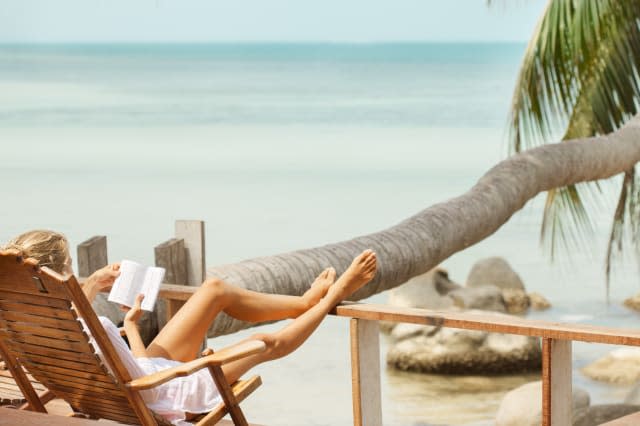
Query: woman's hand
134	314
100	280
103	278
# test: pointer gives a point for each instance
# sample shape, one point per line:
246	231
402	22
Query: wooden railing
556	352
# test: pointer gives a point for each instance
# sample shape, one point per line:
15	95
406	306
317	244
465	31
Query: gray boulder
538	301
523	405
633	302
486	298
426	291
452	351
515	300
495	271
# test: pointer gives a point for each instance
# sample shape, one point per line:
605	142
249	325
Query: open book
135	279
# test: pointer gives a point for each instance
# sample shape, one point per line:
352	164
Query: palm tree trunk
422	241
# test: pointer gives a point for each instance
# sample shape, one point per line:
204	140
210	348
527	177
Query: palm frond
628	199
580	76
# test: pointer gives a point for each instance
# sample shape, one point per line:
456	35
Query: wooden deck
13	417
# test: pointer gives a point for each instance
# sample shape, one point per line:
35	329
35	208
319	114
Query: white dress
196	393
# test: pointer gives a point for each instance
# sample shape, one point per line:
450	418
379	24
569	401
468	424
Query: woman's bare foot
320	287
361	271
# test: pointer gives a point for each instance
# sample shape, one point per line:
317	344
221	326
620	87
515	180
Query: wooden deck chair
40	329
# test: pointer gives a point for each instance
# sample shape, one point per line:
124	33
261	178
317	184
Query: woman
179	341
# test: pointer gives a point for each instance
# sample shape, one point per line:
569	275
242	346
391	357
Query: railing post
365	372
184	259
171	256
92	255
557	399
192	232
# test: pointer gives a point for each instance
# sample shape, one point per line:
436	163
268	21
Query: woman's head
49	248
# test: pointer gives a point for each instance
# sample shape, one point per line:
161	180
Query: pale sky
26	21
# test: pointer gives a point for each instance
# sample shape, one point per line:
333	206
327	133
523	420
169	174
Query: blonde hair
49	248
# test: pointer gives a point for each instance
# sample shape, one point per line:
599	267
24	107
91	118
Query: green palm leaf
579	78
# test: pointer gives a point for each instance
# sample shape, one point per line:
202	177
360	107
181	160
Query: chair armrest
221	357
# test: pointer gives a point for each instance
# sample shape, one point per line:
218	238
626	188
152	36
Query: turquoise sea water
280	147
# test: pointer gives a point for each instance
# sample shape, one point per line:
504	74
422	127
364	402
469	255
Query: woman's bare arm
131	328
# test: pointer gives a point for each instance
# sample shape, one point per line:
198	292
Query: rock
487	298
538	301
495	271
599	414
404	331
515	300
426	291
523	405
633	302
452	351
619	366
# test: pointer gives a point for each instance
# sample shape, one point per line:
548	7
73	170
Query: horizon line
255	42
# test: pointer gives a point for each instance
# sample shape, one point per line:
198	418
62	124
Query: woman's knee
213	285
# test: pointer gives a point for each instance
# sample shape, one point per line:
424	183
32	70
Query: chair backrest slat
47	342
70	367
34	330
53	353
80	382
39	323
28	308
71	325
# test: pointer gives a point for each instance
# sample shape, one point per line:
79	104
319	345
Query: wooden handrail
492	322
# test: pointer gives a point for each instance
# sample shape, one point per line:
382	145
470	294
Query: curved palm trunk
422	241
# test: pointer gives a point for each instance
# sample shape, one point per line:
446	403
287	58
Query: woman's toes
331	274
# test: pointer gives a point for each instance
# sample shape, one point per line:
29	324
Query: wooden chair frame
40	330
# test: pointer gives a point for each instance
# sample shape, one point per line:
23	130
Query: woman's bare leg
288	339
182	337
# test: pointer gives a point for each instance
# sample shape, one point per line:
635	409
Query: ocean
285	146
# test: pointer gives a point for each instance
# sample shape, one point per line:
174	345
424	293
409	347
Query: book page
151	286
128	284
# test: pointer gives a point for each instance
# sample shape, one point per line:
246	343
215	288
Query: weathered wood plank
365	372
171	255
92	255
556	382
192	232
492	322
